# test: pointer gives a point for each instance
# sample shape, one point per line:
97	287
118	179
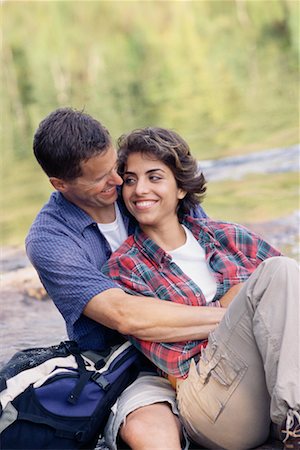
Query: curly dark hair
65	138
168	147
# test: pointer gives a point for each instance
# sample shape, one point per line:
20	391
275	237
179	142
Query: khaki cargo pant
249	374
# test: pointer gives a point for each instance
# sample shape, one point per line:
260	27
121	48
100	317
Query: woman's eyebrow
128	172
155	170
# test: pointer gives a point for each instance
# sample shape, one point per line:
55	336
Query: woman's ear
181	194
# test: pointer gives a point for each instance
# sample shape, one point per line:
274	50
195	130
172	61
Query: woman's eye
129	181
155	178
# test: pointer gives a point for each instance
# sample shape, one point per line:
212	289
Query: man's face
97	186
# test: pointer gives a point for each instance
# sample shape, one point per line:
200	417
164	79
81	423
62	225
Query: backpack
60	398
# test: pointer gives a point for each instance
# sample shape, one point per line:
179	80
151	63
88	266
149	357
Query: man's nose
115	178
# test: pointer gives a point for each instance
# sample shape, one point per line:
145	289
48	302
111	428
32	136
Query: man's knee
151	425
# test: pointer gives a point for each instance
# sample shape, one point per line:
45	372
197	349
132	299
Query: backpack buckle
101	381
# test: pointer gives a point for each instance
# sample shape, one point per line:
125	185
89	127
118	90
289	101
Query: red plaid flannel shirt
140	267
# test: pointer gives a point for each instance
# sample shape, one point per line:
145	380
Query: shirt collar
79	219
149	248
199	227
72	214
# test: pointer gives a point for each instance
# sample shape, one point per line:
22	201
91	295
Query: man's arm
77	287
151	319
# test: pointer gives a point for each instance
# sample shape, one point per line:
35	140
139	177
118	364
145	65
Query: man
69	241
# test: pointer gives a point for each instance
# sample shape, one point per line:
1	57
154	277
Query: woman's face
150	191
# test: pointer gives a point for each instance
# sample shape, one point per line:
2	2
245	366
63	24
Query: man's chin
108	200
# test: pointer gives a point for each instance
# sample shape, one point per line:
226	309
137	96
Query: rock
24	280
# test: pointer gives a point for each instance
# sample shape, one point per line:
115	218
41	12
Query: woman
247	371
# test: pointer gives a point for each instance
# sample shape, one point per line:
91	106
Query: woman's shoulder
120	257
125	248
213	223
219	228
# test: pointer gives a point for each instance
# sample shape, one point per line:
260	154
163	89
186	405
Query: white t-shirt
190	257
114	232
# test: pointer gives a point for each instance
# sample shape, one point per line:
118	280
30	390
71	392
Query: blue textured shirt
68	250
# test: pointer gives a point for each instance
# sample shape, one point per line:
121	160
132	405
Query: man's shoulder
57	230
47	218
58	216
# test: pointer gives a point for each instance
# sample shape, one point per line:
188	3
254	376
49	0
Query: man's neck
102	214
105	214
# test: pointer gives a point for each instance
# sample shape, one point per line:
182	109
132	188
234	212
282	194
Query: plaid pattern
139	266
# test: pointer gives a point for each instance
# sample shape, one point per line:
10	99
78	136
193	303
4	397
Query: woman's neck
168	236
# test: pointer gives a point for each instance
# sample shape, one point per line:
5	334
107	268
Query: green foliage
224	74
24	190
257	198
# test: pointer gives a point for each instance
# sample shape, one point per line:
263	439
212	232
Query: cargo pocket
219	373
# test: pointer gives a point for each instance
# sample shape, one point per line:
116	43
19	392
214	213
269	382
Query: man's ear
181	194
58	184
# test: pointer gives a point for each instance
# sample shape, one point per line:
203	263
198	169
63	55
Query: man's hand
230	294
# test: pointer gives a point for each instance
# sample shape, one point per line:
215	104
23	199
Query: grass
256	198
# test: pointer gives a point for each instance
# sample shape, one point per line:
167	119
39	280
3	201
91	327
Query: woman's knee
279	262
278	269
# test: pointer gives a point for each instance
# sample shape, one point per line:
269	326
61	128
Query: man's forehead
103	161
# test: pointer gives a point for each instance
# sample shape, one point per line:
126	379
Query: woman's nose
141	187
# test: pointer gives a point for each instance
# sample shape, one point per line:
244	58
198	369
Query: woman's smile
144	204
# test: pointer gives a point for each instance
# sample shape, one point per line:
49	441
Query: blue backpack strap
75	393
84	374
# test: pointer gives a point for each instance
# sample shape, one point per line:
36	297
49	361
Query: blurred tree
223	73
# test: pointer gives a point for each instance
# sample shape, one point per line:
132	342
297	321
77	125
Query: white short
147	389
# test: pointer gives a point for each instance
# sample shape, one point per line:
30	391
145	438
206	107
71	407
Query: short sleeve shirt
67	249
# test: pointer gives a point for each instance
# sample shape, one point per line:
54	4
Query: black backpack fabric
59	398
